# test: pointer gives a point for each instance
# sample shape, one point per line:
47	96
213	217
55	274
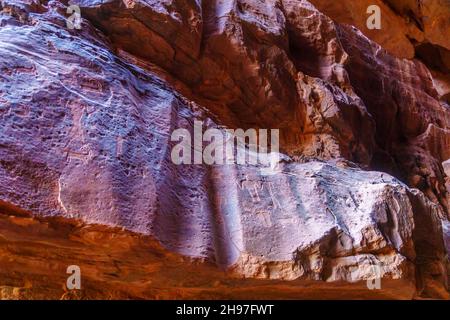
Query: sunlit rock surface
410	28
86	119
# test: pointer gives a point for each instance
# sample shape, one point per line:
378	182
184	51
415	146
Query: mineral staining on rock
87	117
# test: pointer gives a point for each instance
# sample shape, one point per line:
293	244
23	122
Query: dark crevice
432	56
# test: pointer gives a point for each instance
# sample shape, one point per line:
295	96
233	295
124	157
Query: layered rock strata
87	117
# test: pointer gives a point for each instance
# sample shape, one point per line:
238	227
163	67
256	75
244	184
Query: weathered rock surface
409	28
405	23
117	264
86	118
393	101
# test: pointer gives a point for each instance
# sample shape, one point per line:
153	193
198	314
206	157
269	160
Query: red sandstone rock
87	118
287	42
410	29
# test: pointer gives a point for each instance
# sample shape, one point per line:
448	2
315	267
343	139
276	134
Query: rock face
87	117
411	28
406	23
116	264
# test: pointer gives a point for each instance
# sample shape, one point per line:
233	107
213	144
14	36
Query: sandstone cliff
85	149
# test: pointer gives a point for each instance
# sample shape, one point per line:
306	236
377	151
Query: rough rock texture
393	101
117	264
86	117
405	23
410	28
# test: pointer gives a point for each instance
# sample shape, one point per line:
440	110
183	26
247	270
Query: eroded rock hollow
87	176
